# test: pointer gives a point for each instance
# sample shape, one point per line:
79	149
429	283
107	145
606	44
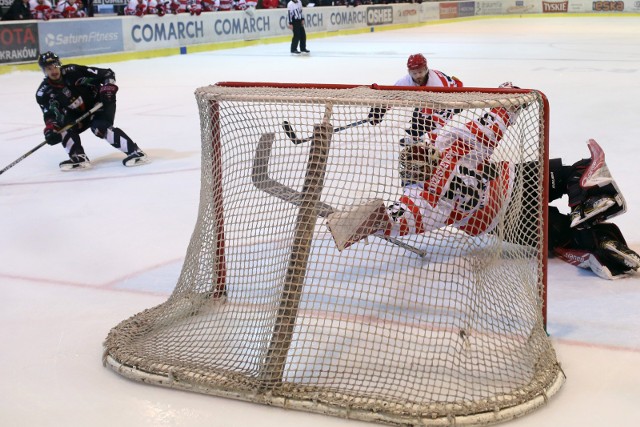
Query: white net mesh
439	326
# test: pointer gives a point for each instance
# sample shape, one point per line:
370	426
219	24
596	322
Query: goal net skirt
439	327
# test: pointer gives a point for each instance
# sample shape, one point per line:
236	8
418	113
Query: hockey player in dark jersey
69	91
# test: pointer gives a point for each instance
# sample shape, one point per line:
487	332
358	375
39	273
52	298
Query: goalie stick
261	179
43	143
288	130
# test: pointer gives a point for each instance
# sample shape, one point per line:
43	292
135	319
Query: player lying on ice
452	182
69	91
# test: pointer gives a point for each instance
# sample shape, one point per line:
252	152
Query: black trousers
299	36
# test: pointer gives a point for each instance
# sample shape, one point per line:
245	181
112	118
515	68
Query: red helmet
416	61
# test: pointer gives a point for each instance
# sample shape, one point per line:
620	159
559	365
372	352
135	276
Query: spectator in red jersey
209	5
41	9
70	9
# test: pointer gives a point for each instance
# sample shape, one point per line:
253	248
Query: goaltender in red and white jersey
463	188
457	186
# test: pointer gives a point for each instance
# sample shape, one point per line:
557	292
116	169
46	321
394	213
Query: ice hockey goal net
442	327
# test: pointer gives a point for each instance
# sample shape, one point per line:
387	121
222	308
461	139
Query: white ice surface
82	251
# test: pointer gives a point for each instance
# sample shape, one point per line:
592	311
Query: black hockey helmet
48	58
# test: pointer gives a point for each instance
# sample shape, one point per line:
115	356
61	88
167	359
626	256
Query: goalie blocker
588	243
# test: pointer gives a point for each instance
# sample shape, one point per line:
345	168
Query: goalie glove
602	249
593	193
108	93
51	134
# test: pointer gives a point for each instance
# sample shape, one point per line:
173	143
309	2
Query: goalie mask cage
438	328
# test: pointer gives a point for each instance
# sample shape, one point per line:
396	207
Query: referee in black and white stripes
296	23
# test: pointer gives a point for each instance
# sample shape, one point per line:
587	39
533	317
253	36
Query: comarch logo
53	40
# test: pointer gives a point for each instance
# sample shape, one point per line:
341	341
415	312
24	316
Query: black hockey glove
376	114
51	135
424	122
108	93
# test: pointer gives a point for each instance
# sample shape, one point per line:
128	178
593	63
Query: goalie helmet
48	58
417	163
416	62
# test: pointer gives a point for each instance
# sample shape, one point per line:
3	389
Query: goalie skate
591	208
622	253
350	226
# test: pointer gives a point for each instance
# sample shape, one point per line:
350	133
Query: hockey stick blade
291	134
43	143
261	179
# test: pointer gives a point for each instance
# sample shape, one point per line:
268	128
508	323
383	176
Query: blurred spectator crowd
58	9
193	7
45	9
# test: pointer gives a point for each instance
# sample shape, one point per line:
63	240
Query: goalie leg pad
601	248
587	260
593	193
352	225
559	229
607	241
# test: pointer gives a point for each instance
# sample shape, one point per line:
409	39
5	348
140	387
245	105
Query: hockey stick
261	179
288	130
43	143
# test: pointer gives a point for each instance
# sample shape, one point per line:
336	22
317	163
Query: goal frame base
486	418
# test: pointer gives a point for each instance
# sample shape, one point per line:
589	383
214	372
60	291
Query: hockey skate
137	158
604	198
75	162
590	208
621	252
601	248
352	225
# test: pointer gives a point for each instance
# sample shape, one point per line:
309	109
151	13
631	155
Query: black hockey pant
299	36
